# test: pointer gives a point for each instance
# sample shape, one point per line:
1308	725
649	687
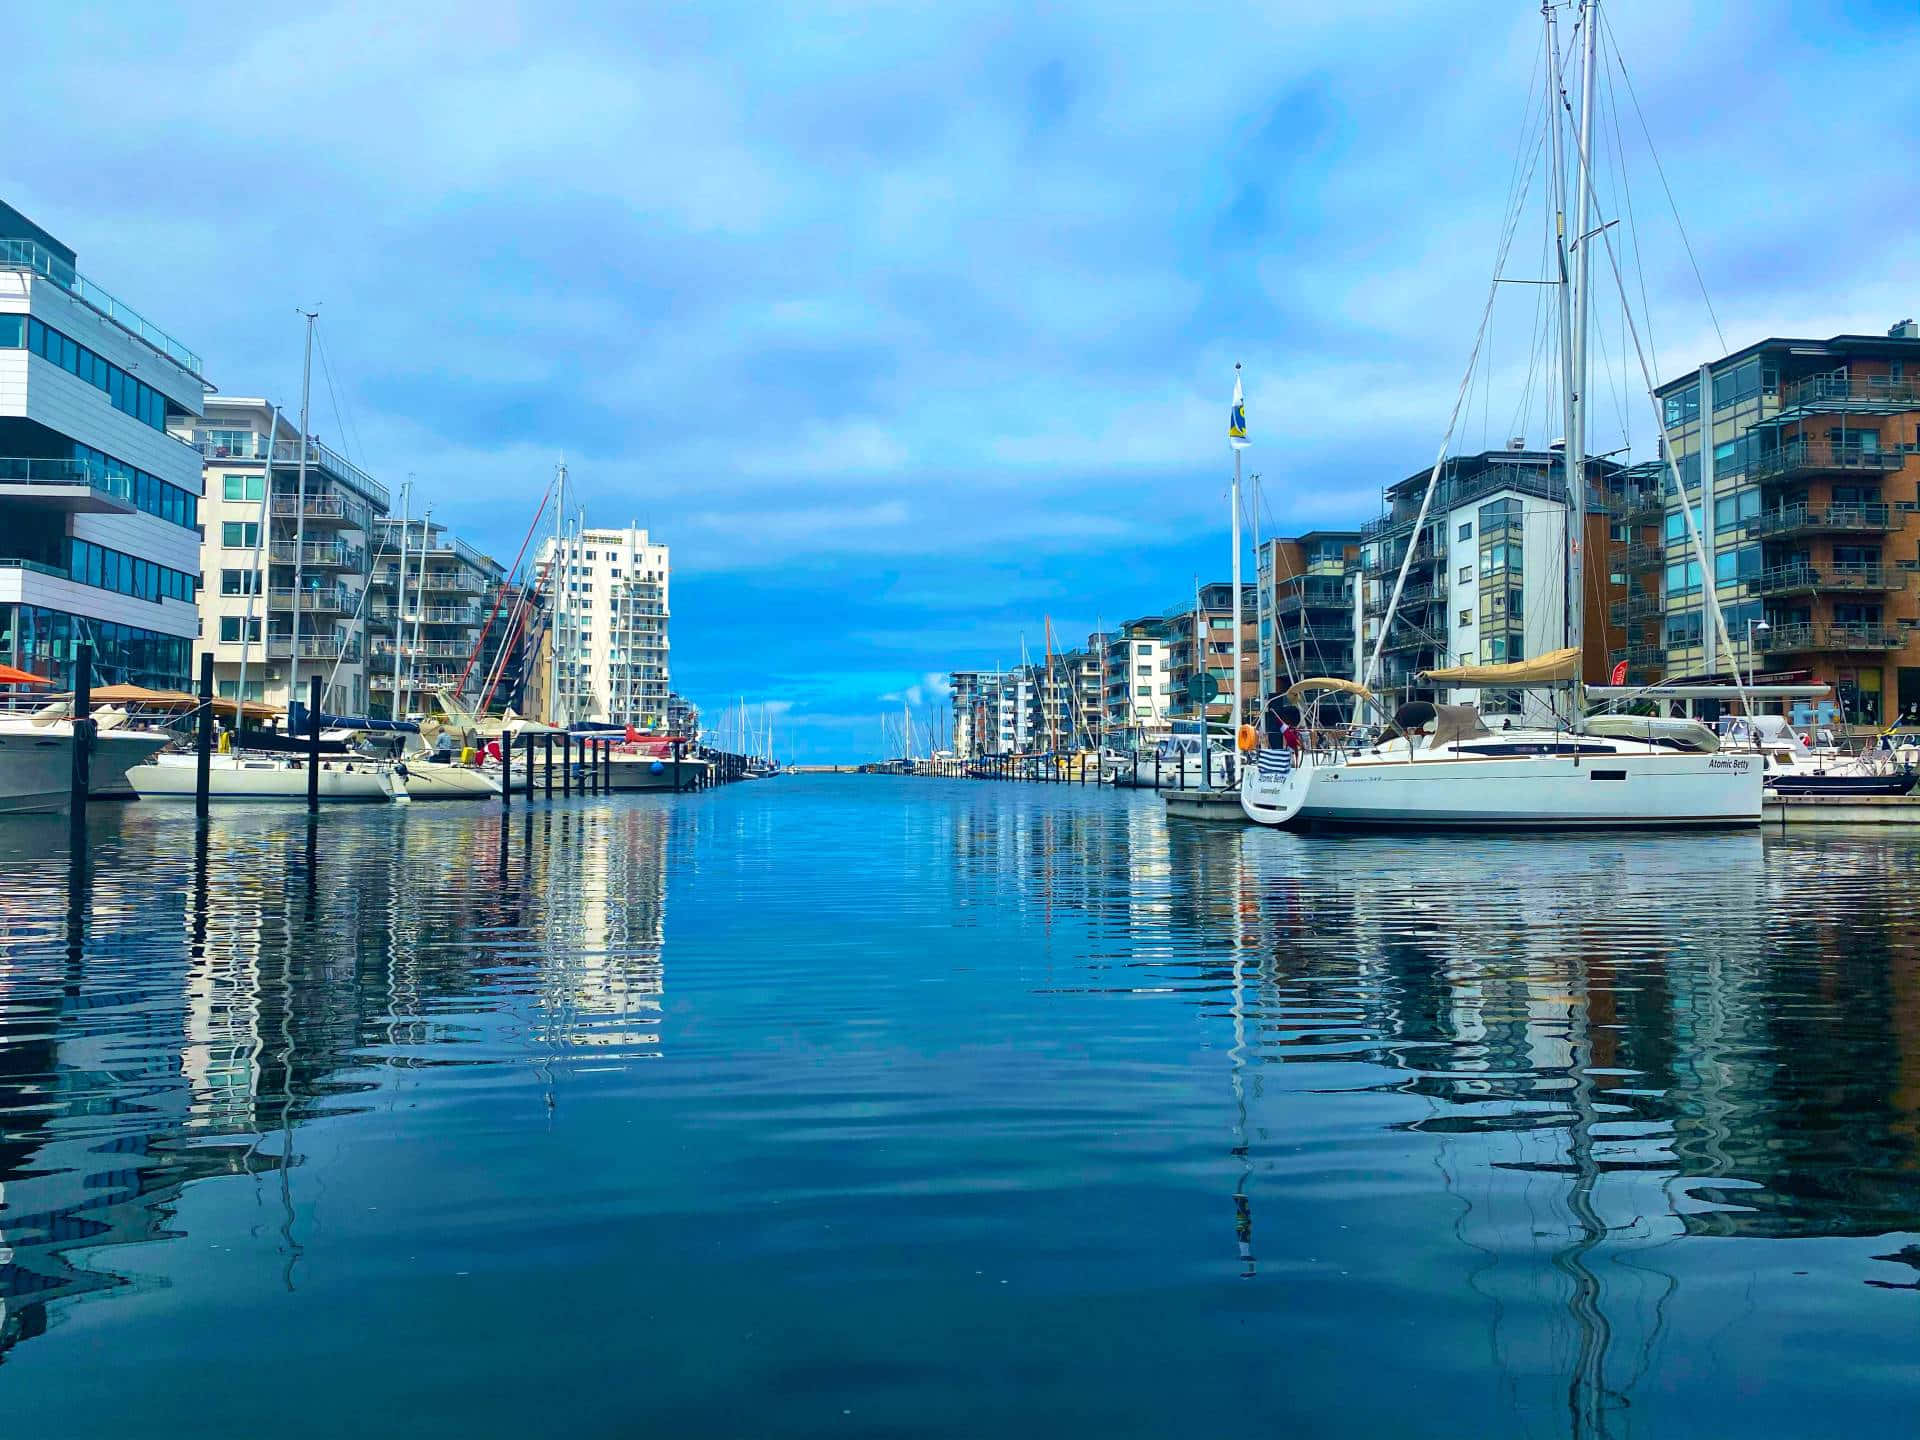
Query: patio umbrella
11	676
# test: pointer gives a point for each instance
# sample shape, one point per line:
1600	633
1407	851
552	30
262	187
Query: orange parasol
11	676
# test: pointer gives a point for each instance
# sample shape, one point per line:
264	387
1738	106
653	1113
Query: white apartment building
273	568
1506	586
428	643
98	501
1138	687
608	618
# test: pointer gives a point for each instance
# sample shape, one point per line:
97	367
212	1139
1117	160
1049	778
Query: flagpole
1239	706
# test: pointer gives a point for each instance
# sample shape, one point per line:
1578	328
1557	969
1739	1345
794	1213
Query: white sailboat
1444	768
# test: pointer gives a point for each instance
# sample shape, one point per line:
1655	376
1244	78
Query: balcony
1805	459
449	615
314	647
1637	505
251	447
24	254
1643	555
1640	605
73	487
323	457
1837	391
424	650
327	600
1804	578
322	509
322	555
451	584
1824	520
1637	656
1820	636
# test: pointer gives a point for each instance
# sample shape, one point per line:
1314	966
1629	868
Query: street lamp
1753	627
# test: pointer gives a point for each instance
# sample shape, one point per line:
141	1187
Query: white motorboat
427	779
36	759
1184	762
1464	776
260	776
644	767
1798	764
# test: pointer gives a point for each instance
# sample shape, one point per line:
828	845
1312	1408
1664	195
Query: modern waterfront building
1135	686
1814	525
1305	607
99	502
1488	579
683	717
273	567
432	641
609	612
1199	640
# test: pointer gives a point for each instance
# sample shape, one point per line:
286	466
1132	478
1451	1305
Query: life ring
1248	739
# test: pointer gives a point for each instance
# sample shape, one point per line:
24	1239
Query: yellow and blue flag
1237	420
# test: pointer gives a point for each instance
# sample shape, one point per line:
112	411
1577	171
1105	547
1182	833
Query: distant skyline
909	329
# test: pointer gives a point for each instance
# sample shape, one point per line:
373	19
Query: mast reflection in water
971	1107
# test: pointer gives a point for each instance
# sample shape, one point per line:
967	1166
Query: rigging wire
1661	171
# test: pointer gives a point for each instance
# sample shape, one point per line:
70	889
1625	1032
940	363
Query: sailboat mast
259	573
1556	103
299	517
1577	382
1239	702
554	591
400	598
419	605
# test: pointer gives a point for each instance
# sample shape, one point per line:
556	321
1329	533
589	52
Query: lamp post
1754	627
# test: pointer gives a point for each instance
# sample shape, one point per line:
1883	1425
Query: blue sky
907	328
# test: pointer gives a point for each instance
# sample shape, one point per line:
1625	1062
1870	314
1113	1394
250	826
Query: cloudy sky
909	328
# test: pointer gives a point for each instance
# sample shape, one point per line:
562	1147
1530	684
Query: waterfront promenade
840	1105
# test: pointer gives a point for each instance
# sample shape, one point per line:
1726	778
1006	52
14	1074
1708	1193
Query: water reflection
1551	1128
203	1006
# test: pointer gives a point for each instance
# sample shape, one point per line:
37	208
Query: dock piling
313	745
81	777
203	740
506	772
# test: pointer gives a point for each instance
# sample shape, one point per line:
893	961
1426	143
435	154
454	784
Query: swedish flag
1237	419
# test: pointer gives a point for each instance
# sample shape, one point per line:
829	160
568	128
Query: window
230	629
1496	512
1677	522
1497	558
1466	531
1466	657
239	582
123	392
1682	406
243	487
1466	574
590	555
1466	617
239	534
1513	605
1683	630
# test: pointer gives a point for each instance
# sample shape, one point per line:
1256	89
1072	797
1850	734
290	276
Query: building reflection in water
1617	1052
169	1017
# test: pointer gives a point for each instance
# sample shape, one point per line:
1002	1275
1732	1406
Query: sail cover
1343	687
1556	667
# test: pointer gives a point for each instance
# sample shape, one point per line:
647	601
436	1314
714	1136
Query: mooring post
80	779
506	771
203	742
566	762
313	744
548	737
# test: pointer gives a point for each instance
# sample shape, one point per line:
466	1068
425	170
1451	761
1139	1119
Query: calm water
861	1106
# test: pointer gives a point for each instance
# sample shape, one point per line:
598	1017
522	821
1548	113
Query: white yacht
1446	770
36	758
260	776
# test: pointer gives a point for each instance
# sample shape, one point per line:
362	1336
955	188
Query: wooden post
566	762
548	737
528	737
506	772
313	741
606	766
203	744
80	779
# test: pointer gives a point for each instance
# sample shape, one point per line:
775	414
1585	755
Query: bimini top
1556	667
1344	687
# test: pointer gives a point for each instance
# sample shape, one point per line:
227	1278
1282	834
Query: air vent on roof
1518	442
1905	330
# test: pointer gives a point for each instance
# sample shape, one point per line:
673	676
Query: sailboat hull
1648	789
245	777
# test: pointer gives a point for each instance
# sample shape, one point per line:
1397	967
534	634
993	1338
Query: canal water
882	1107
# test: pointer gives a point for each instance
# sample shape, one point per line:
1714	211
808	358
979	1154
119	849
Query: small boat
1182	761
431	777
650	765
1797	765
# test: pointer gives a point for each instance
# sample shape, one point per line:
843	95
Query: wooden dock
1841	810
1220	807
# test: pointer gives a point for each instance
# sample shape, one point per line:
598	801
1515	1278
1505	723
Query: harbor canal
850	1105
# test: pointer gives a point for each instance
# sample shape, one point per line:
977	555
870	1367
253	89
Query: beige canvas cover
1343	687
1556	667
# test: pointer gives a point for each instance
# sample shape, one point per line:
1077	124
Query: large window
128	395
230	628
243	487
147	492
239	534
92	564
1497	558
43	641
239	582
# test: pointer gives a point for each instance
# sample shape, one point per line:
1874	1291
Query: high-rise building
99	503
608	621
1306	607
433	639
1136	685
271	566
1199	640
1814	525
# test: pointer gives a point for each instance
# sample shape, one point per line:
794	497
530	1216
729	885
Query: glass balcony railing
31	471
19	253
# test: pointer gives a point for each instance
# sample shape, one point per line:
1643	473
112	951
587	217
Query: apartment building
285	584
431	596
609	614
99	501
1199	640
1488	580
1807	449
1135	683
1305	609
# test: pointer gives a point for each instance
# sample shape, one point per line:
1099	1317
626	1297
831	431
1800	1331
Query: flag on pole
1237	421
1620	673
